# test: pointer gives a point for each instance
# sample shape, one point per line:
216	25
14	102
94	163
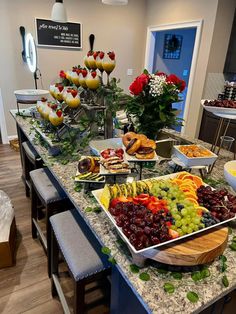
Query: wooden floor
25	287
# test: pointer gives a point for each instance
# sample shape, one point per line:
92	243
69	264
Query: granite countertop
151	292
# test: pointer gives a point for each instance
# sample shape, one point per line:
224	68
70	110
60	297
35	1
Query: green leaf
78	188
97	209
234	239
229	229
134	268
177	276
233	246
196	276
205	273
192	296
223	258
162	116
112	260
225	281
106	250
145	71
223	267
88	209
169	287
144	276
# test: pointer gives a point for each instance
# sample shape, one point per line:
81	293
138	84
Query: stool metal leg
33	212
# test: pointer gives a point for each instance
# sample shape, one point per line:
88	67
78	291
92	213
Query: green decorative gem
169	287
144	276
192	296
134	268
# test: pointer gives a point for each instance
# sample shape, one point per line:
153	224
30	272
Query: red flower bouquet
151	104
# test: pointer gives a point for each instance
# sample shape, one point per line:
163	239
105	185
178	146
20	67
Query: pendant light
59	12
115	2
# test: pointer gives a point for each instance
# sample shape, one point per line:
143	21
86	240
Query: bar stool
84	263
31	160
47	191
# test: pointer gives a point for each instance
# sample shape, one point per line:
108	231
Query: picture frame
172	46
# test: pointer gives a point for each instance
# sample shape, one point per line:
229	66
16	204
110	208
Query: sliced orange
198	181
177	181
181	174
193	200
191	194
186	190
187	176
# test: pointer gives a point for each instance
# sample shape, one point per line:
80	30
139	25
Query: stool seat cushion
47	186
30	152
81	258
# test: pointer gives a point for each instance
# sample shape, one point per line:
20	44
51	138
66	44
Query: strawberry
94	74
111	55
59	113
74	92
60	87
96	53
43	99
62	74
90	53
84	72
54	106
74	69
101	54
78	71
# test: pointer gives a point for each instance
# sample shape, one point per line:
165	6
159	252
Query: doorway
180	60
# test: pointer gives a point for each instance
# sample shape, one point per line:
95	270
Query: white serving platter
31	94
149	251
130	158
226	111
194	161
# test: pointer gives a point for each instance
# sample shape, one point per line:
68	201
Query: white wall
118	28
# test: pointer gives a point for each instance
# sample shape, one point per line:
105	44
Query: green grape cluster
185	217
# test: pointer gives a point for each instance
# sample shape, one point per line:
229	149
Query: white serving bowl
31	94
230	165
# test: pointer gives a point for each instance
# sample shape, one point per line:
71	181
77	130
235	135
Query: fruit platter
138	147
88	170
225	106
112	162
194	155
154	212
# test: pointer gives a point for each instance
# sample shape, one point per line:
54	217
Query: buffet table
129	293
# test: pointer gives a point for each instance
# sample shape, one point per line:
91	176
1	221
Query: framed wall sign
58	35
172	46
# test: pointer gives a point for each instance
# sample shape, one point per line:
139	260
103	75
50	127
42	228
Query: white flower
156	84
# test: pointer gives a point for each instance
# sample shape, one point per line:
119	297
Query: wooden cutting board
193	251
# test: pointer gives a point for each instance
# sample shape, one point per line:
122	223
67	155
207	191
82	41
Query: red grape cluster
221	103
141	226
220	203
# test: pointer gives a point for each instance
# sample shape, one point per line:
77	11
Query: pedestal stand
223	126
